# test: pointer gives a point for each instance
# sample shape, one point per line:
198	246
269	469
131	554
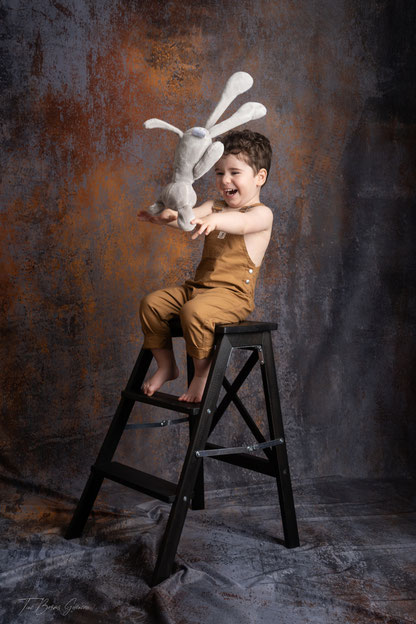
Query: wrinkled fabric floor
356	562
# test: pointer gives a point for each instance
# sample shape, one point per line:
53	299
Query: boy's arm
170	217
256	219
166	217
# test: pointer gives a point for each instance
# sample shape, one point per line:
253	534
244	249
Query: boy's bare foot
196	388
166	370
195	391
151	385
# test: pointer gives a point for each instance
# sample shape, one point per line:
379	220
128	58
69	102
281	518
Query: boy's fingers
198	232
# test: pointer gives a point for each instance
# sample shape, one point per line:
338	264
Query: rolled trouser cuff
157	342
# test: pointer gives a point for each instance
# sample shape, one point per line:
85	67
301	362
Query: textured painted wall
78	79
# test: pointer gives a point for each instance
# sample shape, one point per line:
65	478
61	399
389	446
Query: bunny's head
195	153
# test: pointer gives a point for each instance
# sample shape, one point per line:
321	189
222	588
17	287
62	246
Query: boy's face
237	182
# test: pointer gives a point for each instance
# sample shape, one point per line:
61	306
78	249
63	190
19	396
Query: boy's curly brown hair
253	146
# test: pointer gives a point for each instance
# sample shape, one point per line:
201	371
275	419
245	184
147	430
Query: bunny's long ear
158	123
246	112
237	83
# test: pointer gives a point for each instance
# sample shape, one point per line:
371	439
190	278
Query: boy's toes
190	398
186	397
147	389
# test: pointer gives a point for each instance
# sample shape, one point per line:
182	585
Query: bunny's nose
199	132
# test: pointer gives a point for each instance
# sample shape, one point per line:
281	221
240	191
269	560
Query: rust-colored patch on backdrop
100	260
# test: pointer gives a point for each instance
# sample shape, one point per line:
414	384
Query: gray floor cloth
356	563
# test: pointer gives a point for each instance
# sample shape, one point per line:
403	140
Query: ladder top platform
244	327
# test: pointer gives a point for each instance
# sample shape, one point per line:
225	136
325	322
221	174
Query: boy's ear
261	176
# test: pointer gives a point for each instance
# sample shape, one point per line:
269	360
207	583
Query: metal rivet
247	281
184	499
250	270
208	411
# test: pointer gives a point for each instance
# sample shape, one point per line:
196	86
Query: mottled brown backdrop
78	78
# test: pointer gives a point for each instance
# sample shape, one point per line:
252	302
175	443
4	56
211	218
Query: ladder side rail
170	540
124	408
84	506
198	498
280	459
108	447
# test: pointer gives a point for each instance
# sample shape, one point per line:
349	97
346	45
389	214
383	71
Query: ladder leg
85	504
274	416
198	497
108	447
191	464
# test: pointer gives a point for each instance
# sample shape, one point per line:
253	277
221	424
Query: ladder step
244	460
137	480
167	401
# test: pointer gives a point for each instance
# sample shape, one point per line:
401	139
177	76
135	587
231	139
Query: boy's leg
198	318
156	309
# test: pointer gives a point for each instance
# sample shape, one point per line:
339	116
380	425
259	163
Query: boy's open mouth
230	191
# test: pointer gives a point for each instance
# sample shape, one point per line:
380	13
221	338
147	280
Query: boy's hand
163	218
207	225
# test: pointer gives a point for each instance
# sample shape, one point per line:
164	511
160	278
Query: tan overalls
222	291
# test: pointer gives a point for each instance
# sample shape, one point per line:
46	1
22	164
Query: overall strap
245	208
220	204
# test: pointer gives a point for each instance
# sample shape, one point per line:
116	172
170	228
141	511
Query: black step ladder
202	418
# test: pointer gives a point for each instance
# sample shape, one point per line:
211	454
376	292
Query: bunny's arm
158	123
208	159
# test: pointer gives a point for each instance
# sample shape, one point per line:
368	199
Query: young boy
237	232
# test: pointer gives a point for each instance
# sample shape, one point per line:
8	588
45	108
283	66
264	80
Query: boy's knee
189	315
147	304
144	302
143	305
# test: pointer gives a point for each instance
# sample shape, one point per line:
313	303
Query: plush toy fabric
196	153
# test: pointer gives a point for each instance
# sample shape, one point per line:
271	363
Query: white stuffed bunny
196	153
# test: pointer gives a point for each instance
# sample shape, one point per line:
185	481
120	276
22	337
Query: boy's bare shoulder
262	208
262	212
